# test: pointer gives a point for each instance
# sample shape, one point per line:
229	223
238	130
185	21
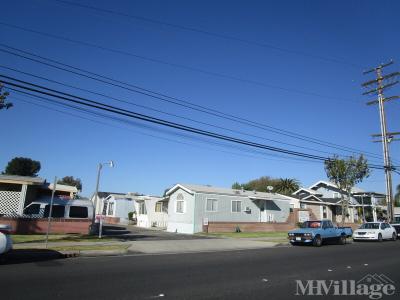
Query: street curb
92	253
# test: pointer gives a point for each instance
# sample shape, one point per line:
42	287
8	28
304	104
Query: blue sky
275	85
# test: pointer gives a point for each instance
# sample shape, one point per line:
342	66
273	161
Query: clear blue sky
148	160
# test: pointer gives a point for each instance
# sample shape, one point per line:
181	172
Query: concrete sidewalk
66	244
154	246
201	245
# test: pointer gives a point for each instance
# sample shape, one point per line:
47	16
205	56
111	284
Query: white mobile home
191	206
117	207
151	211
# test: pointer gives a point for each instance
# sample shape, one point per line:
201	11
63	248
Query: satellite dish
270	188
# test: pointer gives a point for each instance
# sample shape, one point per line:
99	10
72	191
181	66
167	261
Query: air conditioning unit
247	210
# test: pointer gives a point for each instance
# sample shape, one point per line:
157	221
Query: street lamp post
96	199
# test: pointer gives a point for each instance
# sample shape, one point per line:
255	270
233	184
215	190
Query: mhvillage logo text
374	286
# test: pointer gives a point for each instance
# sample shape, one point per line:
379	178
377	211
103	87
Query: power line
282	158
160	111
194	69
176	101
213	34
112	109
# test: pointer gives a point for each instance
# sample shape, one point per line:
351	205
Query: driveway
134	233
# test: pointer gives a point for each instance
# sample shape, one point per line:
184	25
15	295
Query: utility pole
381	84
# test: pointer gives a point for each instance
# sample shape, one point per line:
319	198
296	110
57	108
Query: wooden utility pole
380	84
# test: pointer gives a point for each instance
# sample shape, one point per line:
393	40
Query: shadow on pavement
18	256
133	233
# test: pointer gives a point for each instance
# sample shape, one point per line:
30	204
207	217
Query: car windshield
311	224
370	226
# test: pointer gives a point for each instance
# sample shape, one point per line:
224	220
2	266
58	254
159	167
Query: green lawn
37	238
272	235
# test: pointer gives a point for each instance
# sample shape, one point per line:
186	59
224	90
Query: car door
382	230
385	231
389	231
328	230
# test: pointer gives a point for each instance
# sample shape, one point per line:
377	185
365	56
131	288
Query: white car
5	239
376	231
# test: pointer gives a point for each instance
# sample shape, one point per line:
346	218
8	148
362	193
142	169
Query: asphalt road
251	274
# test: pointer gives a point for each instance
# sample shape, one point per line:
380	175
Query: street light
100	166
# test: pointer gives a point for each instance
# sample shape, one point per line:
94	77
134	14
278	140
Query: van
62	208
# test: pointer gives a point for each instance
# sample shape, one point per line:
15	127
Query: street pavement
250	274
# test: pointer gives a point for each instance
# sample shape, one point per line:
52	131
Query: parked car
397	228
375	231
5	239
317	232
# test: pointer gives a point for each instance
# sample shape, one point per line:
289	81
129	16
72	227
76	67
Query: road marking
265	280
365	264
158	296
329	270
348	267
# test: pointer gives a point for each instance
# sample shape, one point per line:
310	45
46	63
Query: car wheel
342	240
317	242
294	244
394	236
380	239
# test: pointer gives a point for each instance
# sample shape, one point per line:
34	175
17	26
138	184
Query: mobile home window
142	208
180	206
78	212
236	206
57	212
34	209
111	208
211	205
159	207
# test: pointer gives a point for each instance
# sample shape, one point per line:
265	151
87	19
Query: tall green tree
3	97
22	166
261	185
345	174
287	186
236	186
71	181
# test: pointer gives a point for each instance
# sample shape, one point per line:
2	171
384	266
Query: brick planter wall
30	226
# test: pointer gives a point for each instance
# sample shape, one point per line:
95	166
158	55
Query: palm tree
287	186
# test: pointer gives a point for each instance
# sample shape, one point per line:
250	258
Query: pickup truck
317	232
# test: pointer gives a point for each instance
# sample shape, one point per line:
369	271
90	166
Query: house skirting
112	220
247	227
31	226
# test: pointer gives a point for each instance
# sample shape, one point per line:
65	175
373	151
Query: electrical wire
162	112
180	102
189	68
112	109
213	34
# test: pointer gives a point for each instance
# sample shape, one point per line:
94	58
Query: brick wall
30	226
